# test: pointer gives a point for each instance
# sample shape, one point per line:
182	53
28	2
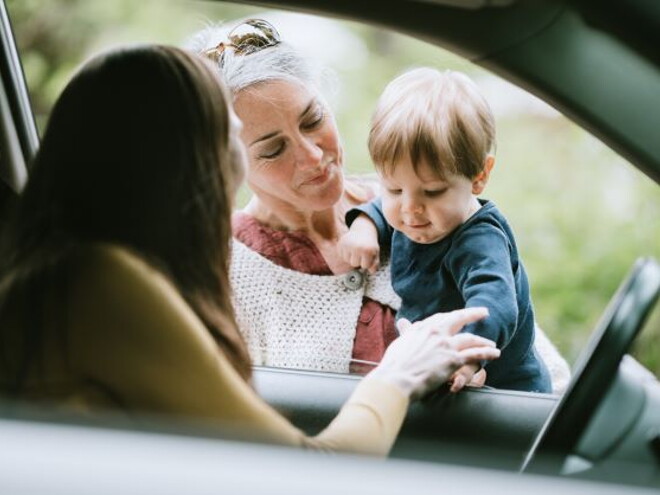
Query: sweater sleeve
480	264
374	210
154	356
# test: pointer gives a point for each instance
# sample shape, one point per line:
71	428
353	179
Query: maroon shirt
293	250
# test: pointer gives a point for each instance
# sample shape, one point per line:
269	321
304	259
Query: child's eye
434	193
394	191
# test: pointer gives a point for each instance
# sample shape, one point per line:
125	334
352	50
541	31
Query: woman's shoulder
103	255
110	261
79	269
115	272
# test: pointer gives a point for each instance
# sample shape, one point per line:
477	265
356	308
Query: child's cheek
391	210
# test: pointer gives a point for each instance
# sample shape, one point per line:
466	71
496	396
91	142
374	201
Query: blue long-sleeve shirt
476	265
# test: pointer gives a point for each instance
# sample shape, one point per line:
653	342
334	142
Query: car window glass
580	212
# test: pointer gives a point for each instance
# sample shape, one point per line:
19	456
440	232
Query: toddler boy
432	141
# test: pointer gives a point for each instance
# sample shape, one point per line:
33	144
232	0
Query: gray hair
279	62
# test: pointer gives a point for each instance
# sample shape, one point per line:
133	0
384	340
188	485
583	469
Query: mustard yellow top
133	344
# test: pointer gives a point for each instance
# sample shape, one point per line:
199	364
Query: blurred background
581	213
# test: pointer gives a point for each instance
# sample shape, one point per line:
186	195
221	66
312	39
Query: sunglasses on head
249	37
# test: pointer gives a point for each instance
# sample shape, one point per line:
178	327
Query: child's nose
411	205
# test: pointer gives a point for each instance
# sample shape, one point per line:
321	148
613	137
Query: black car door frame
19	139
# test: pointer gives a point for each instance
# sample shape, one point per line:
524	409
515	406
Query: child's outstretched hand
359	246
470	374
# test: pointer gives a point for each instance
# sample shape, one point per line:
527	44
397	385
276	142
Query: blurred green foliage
582	214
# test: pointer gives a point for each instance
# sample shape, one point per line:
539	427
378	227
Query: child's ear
480	181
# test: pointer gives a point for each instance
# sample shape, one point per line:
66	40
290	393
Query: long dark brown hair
138	152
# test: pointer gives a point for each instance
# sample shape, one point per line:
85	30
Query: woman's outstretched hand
429	351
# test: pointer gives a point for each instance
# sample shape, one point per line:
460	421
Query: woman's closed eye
394	191
313	121
273	151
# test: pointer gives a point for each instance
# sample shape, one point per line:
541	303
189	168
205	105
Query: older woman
298	304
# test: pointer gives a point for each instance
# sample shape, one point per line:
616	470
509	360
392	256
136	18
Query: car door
475	426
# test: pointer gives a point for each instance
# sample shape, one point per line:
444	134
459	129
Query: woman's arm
133	334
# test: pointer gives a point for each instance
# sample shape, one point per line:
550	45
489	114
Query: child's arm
368	233
359	246
481	266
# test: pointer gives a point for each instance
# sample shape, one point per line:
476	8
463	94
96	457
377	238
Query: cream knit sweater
296	320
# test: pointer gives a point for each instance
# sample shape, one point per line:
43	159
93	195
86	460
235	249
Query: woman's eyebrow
264	137
307	109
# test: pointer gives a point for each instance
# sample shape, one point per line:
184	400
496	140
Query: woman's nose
309	153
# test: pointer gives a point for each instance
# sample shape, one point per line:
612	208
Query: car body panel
506	421
76	460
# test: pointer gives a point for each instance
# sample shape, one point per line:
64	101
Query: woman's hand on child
359	246
430	351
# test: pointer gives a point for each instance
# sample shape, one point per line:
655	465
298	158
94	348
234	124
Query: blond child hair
437	117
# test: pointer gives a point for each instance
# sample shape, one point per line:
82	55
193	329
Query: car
597	63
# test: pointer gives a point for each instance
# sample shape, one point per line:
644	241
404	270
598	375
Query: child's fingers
370	262
478	379
360	258
365	261
341	251
458	383
345	249
355	259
